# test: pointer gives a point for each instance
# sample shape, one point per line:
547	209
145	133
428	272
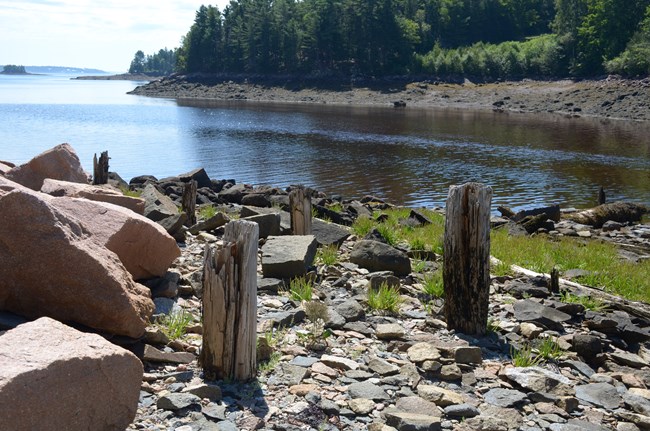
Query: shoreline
610	99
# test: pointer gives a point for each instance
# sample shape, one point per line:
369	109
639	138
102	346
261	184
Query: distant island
63	70
12	69
121	77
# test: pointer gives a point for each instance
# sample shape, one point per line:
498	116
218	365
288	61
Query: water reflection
412	156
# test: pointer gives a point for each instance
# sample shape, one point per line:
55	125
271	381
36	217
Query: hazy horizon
91	35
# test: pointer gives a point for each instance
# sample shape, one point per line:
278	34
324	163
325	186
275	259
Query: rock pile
337	363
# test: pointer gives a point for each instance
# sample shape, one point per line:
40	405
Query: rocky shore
350	367
610	98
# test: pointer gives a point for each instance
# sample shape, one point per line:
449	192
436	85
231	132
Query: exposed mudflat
608	98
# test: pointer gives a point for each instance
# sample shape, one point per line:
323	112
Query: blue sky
94	34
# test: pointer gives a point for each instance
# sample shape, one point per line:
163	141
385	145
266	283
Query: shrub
328	255
174	325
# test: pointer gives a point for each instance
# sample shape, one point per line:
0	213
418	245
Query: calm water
408	156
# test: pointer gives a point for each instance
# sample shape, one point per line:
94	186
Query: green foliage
525	357
593	304
174	325
207	212
131	193
301	289
635	60
328	255
159	64
417	244
433	284
418	265
362	225
501	269
605	269
385	298
549	348
388	232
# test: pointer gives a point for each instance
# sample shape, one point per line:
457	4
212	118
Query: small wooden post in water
100	168
602	199
188	202
230	304
466	269
300	210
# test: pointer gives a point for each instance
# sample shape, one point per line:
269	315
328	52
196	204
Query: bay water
407	156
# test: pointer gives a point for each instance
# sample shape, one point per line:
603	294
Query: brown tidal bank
611	98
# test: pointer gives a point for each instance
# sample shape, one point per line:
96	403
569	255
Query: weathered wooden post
100	168
466	267
300	209
230	304
554	281
188	202
602	199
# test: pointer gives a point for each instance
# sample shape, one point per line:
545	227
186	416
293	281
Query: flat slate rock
599	394
329	233
152	354
288	256
377	256
404	421
531	311
178	401
367	390
505	397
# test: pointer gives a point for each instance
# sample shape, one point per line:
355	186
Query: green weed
419	265
174	325
385	298
301	289
131	193
593	304
525	357
362	225
549	348
433	284
328	255
207	212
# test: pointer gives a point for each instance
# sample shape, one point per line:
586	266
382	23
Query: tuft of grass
207	211
433	284
301	289
385	298
549	348
593	304
501	269
606	270
336	207
268	366
417	243
131	193
419	265
492	326
525	357
389	233
174	325
328	255
362	225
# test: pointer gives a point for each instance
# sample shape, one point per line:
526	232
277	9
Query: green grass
525	357
385	299
207	212
337	207
301	289
549	348
501	269
419	238
419	265
131	193
328	255
433	284
606	270
593	304
174	325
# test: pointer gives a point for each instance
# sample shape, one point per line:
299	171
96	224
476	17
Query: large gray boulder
329	233
269	224
59	163
288	256
157	206
528	310
53	377
377	256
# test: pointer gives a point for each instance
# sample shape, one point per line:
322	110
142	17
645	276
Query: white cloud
85	33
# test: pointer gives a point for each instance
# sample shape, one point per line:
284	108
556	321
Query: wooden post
230	305
554	281
601	196
300	209
100	168
188	202
466	269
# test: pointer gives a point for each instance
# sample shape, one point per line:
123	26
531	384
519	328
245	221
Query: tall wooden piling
466	270
100	168
230	305
188	202
300	210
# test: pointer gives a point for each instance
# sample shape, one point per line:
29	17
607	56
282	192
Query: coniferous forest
483	39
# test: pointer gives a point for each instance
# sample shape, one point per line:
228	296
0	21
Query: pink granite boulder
59	163
101	193
53	377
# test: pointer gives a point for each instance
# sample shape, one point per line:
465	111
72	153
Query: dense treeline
481	38
161	63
